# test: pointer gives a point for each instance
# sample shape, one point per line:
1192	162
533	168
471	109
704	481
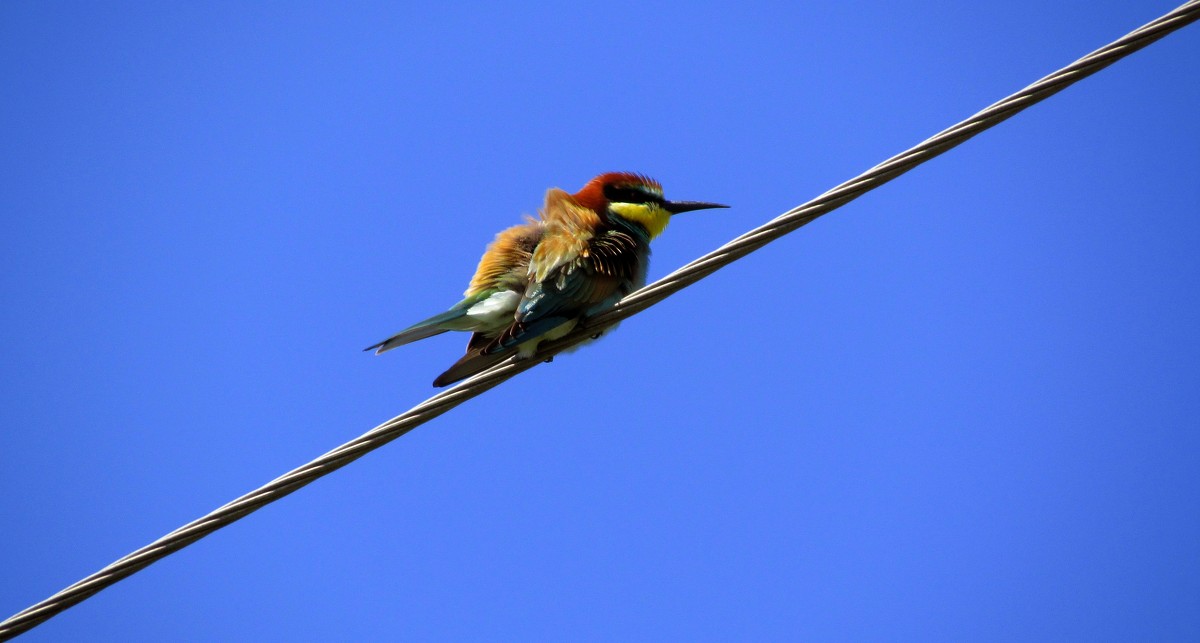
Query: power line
634	303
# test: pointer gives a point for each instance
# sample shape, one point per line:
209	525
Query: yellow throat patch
653	217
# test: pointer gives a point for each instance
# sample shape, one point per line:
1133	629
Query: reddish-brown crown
592	194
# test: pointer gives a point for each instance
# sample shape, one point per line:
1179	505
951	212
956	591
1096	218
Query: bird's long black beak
675	207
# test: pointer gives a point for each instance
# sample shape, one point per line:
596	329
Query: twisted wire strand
634	303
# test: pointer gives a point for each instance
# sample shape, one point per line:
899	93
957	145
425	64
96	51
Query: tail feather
405	337
473	363
435	325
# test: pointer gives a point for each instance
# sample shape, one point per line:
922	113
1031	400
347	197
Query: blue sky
964	407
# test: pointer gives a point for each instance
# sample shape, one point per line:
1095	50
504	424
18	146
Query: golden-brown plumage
505	263
568	227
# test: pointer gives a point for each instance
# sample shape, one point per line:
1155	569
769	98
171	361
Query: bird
537	280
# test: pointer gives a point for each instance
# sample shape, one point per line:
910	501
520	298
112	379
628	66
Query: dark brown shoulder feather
614	254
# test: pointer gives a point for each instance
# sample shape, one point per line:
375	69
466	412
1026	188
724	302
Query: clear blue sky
965	407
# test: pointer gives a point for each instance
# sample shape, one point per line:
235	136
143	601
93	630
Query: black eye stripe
622	194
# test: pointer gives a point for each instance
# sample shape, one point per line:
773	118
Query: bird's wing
573	270
577	287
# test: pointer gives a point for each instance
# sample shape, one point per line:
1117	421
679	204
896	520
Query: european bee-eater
538	279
